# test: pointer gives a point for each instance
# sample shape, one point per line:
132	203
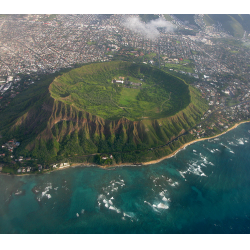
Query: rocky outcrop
56	125
57	120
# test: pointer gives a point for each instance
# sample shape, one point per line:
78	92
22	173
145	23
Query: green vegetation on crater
153	94
53	122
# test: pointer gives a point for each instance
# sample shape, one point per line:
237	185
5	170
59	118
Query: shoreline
189	143
133	164
158	160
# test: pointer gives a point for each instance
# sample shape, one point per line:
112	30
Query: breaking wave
45	192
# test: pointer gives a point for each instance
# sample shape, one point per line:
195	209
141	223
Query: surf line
142	163
189	143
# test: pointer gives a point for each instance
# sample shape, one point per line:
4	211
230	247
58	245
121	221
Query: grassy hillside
234	24
168	17
90	88
148	17
53	129
230	24
189	18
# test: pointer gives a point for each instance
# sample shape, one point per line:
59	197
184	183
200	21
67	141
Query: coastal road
220	109
137	150
168	143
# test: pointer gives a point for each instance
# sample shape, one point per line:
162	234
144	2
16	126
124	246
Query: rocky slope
52	130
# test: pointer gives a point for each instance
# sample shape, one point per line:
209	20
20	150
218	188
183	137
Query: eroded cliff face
65	119
57	120
52	125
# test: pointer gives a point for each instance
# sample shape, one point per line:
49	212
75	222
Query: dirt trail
165	101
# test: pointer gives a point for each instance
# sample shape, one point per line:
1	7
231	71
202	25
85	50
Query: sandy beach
143	163
189	143
150	162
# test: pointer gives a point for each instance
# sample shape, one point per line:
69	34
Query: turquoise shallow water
205	188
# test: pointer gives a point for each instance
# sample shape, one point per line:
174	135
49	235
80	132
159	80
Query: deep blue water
205	188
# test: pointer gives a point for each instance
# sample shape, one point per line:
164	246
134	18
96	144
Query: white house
64	165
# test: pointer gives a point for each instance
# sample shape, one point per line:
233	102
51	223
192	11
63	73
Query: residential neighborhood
64	40
206	57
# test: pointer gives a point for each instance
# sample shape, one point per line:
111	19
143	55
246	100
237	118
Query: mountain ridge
233	24
52	130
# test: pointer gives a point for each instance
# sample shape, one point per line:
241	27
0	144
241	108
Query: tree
103	147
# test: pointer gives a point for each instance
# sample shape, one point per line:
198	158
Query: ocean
203	189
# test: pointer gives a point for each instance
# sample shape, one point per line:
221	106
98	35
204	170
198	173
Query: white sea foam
114	189
48	196
211	150
182	173
165	199
107	203
155	209
114	186
153	206
115	209
129	214
162	206
147	203
230	150
44	193
171	183
176	183
101	196
163	195
240	141
196	166
82	211
195	169
204	158
155	179
18	192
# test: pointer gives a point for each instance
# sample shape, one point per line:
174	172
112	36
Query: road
164	145
220	109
